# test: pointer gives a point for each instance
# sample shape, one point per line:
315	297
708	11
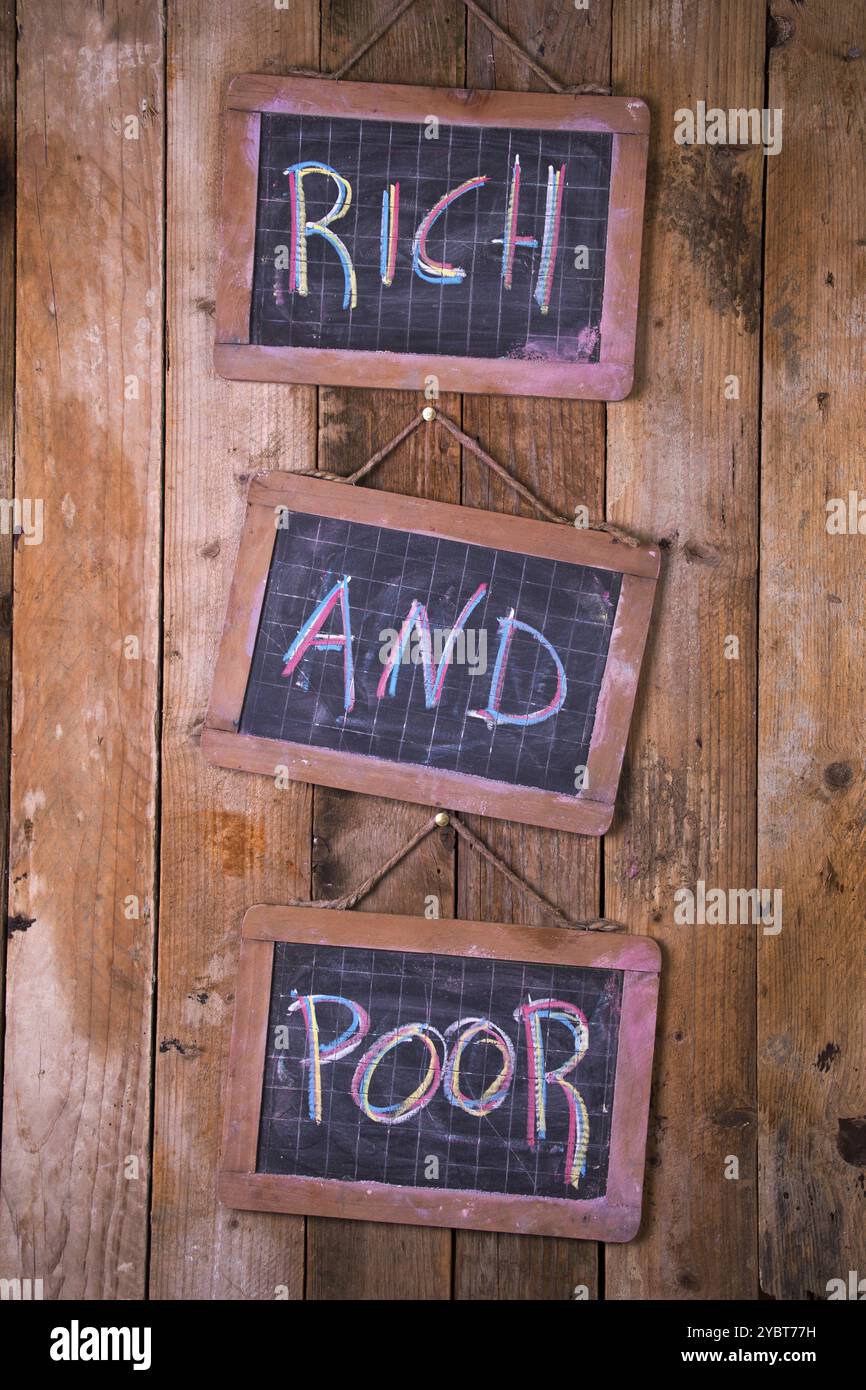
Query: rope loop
444	820
431	414
381	29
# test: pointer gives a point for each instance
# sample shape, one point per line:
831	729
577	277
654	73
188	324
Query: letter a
311	635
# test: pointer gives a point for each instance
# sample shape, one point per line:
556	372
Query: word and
417	624
713	907
443	1059
424	264
738	126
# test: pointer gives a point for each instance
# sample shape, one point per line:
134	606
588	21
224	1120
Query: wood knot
18	923
851	1140
838	775
780	30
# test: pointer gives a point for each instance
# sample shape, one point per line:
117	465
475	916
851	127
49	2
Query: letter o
493	1095
398	1111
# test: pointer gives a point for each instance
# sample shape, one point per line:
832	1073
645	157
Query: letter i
388	234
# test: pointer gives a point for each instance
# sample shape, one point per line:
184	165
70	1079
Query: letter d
492	712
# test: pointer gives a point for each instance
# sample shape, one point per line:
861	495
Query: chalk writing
460	245
324	675
442	1058
310	636
504	1070
423	264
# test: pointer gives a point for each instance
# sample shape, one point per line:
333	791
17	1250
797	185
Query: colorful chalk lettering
424	265
311	635
442	1066
417	620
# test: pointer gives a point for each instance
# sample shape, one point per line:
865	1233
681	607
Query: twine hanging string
431	414
381	29
584	88
442	820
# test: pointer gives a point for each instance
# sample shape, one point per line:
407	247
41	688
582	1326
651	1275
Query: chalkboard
480	314
383	235
465	1069
389	571
387	648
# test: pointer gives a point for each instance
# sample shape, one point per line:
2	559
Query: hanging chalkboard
430	652
449	1073
381	236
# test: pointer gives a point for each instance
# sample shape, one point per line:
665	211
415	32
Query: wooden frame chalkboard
274	497
564	366
612	1216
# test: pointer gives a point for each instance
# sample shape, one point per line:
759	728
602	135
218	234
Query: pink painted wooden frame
626	118
613	1217
588	812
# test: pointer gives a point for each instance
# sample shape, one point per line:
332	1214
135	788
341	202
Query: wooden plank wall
86	639
7	421
812	788
227	840
683	467
738	773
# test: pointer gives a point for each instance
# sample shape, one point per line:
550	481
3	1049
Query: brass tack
442	819
429	412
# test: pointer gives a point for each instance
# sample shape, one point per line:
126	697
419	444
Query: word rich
445	1054
424	265
417	622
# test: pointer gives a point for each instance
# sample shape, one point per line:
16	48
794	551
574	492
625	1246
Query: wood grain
7	424
812	788
682	468
557	449
88	443
228	839
353	834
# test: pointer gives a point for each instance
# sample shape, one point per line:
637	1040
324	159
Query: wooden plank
354	834
557	449
228	839
7	423
82	863
682	468
812	789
